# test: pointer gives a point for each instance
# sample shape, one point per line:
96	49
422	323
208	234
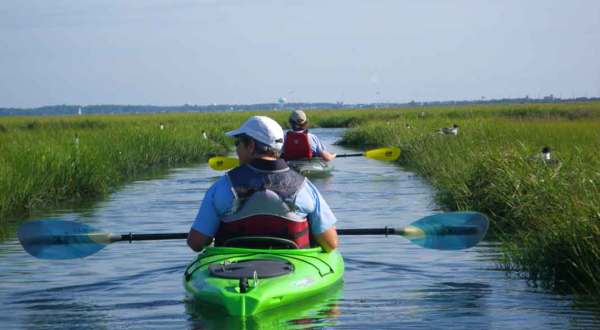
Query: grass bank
48	161
547	214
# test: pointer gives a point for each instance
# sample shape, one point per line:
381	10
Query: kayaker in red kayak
263	197
300	144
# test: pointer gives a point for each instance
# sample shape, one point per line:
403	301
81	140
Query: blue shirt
315	144
218	200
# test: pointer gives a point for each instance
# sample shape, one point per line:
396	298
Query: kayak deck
312	271
311	167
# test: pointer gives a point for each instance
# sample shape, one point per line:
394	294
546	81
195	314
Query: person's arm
319	149
327	156
197	241
217	199
321	218
328	239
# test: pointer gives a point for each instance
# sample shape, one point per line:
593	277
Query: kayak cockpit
260	242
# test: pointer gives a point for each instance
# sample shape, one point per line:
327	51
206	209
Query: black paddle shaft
349	155
157	237
460	230
152	237
441	231
367	231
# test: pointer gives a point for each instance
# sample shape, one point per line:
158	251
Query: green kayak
311	167
247	281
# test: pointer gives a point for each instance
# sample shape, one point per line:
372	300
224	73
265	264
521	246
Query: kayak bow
247	281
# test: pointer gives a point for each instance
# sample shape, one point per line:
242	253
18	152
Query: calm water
389	283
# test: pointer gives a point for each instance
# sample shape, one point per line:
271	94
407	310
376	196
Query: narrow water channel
389	283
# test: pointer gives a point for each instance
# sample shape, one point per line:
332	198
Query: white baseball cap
262	129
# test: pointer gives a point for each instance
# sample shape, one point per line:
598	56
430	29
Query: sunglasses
240	139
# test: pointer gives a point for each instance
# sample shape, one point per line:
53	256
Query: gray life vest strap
261	192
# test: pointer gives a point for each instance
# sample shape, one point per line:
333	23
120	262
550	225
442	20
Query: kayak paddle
444	231
388	154
221	163
59	239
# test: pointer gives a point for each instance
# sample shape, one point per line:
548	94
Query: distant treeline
131	109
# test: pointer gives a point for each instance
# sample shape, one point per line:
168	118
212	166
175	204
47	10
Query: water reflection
456	300
67	314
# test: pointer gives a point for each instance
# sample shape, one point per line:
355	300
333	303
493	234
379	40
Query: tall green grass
49	161
547	215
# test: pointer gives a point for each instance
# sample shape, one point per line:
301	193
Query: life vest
263	205
297	145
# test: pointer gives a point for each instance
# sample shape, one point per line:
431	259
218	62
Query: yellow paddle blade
390	154
221	163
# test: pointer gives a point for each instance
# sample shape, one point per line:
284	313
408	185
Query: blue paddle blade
57	239
448	231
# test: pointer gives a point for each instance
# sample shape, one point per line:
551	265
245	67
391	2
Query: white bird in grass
450	130
546	153
546	157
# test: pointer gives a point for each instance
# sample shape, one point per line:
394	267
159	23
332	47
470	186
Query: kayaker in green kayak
263	197
300	144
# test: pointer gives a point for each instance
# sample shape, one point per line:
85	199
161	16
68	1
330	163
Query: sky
244	52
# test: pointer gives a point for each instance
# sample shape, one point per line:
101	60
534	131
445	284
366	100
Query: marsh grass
49	161
546	215
46	162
